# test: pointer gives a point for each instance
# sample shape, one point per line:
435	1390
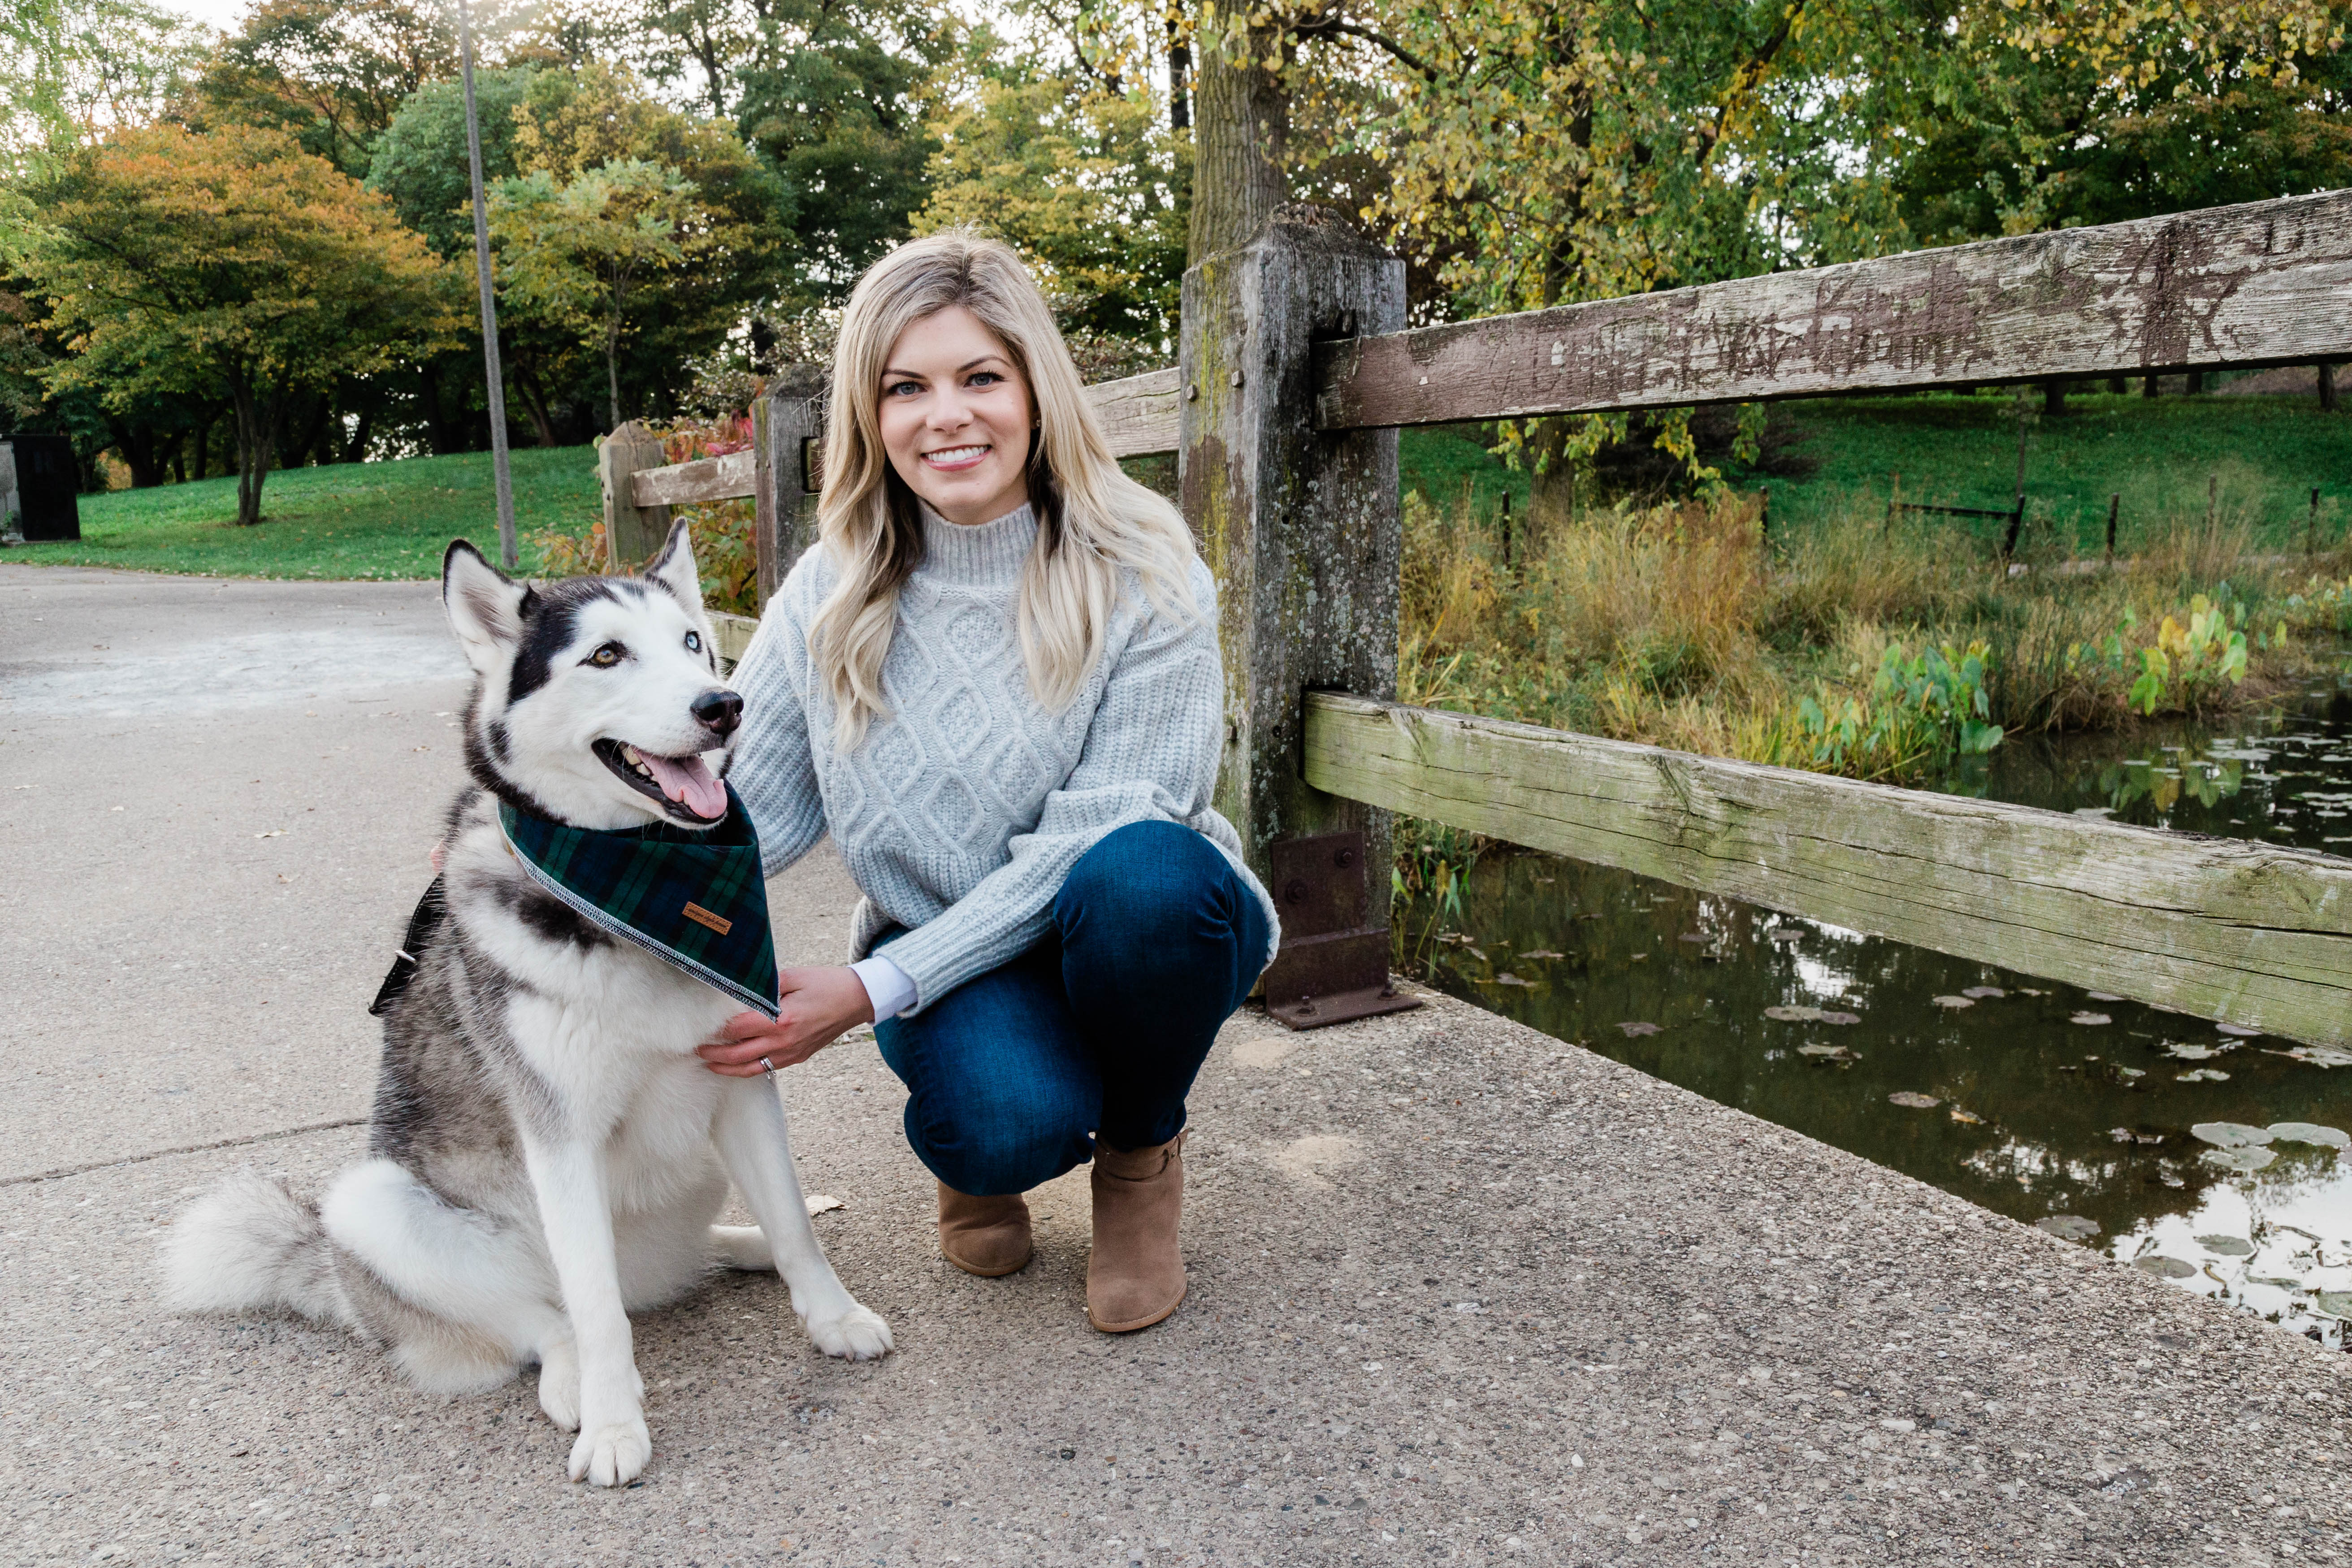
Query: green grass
347	520
2158	455
392	520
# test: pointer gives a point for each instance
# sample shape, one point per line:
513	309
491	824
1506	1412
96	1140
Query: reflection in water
2029	1098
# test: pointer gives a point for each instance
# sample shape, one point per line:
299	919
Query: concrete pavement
1460	1292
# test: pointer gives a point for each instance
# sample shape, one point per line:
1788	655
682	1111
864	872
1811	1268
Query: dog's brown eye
694	642
608	656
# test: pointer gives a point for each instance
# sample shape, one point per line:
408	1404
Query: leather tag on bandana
703	917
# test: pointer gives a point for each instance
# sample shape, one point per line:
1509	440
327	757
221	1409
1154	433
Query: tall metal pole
497	389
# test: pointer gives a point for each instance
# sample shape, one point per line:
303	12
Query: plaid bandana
694	899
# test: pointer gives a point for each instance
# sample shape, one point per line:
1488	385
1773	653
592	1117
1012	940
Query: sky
220	15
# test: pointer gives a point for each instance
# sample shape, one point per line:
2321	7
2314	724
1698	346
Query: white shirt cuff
886	986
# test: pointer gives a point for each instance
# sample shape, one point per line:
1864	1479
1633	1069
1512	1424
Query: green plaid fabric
692	899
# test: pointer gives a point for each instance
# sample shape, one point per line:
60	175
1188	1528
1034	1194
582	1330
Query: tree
836	99
581	251
1088	184
332	73
174	261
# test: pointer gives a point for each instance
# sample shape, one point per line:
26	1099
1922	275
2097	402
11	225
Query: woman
996	683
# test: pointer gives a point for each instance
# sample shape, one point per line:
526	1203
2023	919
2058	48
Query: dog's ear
485	606
674	568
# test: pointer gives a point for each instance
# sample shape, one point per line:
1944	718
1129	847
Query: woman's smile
956	457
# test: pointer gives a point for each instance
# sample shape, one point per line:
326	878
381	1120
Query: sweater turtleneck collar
987	552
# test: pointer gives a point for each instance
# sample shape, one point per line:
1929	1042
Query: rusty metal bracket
1333	966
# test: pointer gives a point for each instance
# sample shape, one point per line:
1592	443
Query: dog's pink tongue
688	783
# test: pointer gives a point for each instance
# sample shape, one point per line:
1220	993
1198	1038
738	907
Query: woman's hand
818	1006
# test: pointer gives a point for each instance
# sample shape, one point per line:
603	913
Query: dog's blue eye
606	658
694	642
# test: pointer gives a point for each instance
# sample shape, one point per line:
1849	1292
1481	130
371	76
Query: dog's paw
855	1334
559	1387
612	1454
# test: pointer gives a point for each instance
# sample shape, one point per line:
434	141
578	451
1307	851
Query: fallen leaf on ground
1635	1031
823	1203
1913	1102
2318	1056
2068	1227
2230	1134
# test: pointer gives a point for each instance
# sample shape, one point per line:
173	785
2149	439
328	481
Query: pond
2206	1155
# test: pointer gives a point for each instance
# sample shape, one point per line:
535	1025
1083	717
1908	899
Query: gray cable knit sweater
960	813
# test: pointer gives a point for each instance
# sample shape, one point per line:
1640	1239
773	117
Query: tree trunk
355	448
613	369
444	433
139	448
1180	92
534	400
256	416
1242	125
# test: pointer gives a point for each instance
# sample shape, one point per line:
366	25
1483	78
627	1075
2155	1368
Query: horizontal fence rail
2246	933
2266	283
1138	415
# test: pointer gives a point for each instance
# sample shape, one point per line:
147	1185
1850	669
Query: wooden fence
1295	373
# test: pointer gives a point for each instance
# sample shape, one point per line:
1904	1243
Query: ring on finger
769	1066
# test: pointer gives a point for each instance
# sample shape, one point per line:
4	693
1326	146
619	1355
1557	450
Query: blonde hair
1094	523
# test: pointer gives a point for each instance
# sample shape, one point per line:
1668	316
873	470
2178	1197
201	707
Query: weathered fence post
631	533
1303	531
784	419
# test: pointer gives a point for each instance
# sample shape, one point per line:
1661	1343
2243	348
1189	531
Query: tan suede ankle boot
987	1237
1136	1275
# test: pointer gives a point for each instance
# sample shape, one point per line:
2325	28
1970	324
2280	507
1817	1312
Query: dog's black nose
719	712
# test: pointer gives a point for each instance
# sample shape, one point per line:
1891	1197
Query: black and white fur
547	1153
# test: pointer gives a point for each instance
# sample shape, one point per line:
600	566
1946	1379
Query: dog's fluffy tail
248	1245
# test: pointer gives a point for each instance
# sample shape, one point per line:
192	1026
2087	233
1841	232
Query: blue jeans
1100	1029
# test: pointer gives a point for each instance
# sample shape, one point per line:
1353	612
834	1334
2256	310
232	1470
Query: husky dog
541	1161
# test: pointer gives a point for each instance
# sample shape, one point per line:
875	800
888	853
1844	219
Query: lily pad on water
2068	1227
2281	1282
1635	1031
1784	933
2230	1134
1954	1002
2227	1245
2334	1303
2243	1160
2090	1018
1810	1016
2102	995
2189	1053
1968	1117
1541	953
2319	1055
1982	992
2203	1075
2309	1132
1508	978
2165	1267
2237	1031
1826	1053
1913	1102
